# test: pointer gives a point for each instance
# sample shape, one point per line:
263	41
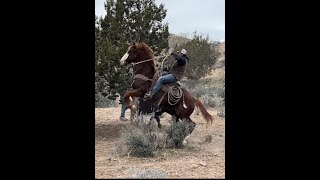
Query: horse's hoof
159	126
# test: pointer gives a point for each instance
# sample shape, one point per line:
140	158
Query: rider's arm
181	60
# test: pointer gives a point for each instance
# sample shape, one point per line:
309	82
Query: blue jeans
123	107
169	78
123	110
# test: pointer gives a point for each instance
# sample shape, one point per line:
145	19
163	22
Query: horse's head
137	52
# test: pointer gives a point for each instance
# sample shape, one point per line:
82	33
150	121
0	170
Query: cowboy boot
148	96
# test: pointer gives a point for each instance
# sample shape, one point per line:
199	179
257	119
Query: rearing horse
143	60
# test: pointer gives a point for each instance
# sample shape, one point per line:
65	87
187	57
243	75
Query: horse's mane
147	49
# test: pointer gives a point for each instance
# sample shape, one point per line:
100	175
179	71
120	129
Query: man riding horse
172	99
174	75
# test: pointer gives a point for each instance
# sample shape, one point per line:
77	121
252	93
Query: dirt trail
198	159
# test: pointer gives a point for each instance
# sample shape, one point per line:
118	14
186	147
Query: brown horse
143	60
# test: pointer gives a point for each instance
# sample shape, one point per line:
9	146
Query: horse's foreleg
129	102
132	93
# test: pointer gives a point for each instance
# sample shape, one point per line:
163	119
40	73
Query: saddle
173	92
165	87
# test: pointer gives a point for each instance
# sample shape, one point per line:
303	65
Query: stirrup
147	96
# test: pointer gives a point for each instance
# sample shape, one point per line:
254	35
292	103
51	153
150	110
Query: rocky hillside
221	58
219	66
177	40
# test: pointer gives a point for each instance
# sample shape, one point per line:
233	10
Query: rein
142	62
147	60
143	77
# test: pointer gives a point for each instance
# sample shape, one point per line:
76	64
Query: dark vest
178	71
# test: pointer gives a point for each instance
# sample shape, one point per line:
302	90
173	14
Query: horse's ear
134	45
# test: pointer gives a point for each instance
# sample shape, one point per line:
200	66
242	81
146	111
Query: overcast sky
207	17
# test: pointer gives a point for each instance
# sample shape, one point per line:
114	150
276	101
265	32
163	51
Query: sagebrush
210	91
144	140
141	139
176	133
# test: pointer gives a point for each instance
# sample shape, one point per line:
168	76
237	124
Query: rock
215	154
208	138
203	164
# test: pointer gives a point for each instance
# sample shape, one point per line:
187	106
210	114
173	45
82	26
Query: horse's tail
204	112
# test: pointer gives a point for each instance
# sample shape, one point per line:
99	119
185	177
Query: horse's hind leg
190	126
156	116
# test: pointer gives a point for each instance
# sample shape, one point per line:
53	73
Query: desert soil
198	159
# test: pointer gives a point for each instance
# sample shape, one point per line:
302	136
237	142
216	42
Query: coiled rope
173	99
